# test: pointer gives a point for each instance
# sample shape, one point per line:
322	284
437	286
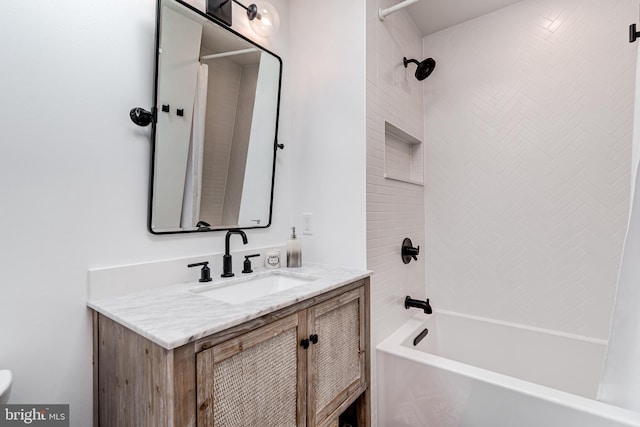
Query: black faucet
409	302
227	267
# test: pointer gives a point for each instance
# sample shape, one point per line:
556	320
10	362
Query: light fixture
266	21
263	17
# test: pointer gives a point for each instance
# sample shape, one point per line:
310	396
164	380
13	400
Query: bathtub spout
409	302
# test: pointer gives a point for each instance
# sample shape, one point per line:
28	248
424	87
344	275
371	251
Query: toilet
5	385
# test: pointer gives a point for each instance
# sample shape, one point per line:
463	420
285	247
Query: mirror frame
154	122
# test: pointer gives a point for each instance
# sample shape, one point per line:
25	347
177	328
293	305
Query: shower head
424	68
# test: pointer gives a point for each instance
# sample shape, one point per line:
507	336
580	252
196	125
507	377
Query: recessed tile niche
403	156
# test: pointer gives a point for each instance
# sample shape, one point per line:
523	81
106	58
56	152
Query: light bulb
266	21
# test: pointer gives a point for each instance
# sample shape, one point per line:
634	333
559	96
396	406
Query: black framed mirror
215	127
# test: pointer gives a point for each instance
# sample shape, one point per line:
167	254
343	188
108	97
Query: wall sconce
263	18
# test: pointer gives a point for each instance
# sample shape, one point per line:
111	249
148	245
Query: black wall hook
140	116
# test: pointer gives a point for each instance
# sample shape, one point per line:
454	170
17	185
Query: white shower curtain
193	181
620	383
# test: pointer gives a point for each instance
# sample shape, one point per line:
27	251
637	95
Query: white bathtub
474	372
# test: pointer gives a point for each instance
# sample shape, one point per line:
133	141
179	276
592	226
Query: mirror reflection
217	97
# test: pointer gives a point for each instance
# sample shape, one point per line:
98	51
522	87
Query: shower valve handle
412	252
409	252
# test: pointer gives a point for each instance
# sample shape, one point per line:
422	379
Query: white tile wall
528	120
224	85
395	209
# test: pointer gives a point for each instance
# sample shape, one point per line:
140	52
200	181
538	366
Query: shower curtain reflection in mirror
193	181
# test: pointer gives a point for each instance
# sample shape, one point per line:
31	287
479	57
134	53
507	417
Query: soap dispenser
294	250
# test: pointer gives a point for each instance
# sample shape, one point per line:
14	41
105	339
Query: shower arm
410	61
382	13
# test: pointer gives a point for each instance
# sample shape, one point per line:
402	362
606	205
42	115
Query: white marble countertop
171	316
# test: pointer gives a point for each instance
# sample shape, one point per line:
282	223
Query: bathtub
474	372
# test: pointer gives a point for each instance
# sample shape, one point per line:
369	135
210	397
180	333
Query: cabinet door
256	379
336	361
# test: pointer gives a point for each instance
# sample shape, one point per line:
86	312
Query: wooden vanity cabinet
299	366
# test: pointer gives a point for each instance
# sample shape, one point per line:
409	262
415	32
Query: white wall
528	123
74	172
395	209
327	75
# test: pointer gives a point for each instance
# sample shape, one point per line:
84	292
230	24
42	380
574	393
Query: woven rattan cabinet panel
254	379
337	357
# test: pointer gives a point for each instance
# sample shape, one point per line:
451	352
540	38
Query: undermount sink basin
251	288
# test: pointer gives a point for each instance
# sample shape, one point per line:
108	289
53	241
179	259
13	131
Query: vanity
175	356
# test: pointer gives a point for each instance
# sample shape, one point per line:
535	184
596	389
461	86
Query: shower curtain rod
388	11
234	52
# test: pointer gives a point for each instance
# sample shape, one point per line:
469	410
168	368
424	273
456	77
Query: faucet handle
247	263
205	272
408	251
